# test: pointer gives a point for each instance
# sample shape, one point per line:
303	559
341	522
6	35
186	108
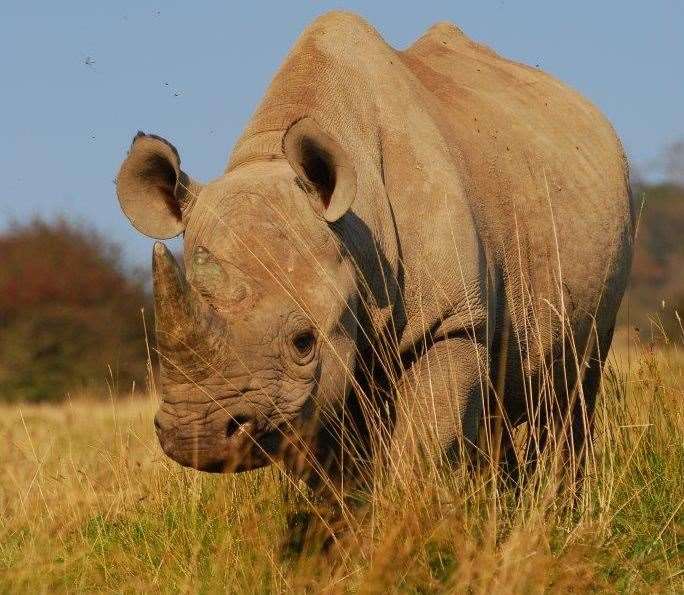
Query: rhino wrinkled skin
400	240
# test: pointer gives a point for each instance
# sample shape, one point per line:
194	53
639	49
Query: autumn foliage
70	313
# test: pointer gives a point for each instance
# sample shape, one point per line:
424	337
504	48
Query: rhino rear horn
324	165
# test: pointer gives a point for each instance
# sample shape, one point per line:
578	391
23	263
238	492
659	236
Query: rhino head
256	333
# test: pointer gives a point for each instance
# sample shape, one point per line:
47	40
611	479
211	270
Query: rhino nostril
235	423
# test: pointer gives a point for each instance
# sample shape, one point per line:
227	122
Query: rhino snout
227	443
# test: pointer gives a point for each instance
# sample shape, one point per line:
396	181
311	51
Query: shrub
656	291
69	312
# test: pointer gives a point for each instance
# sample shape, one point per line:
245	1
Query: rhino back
545	175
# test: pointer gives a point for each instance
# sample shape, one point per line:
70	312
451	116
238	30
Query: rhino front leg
439	403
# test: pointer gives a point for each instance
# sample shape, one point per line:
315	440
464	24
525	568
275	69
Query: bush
656	291
69	311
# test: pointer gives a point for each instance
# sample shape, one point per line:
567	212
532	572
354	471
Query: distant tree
673	162
657	282
69	313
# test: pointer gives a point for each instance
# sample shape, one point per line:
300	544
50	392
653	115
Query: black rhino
405	247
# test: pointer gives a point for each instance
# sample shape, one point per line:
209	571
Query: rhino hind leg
583	407
560	426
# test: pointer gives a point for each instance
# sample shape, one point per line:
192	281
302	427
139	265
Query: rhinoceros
405	247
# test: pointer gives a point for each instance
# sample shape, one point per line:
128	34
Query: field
89	503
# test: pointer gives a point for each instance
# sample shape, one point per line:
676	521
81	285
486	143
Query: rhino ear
154	193
323	164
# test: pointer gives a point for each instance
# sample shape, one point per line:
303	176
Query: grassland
89	503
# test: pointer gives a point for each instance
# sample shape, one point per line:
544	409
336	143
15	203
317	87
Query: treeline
654	304
70	313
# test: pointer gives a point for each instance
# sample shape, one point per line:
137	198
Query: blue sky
79	78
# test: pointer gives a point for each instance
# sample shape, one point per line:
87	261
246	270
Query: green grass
89	503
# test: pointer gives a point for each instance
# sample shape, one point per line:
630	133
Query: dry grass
89	503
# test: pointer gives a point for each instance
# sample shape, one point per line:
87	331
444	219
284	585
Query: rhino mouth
243	451
258	450
232	446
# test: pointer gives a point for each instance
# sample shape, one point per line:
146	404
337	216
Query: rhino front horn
174	310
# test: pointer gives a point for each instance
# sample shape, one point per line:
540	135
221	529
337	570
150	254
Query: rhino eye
304	342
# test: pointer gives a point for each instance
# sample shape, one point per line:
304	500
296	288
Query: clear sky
79	78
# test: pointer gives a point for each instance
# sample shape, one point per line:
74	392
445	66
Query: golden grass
89	503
